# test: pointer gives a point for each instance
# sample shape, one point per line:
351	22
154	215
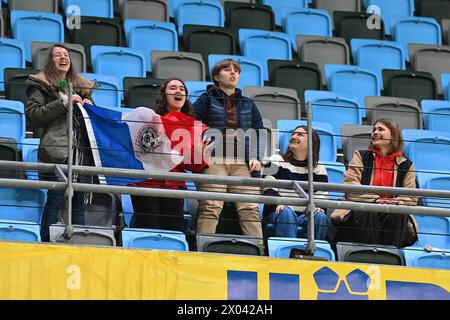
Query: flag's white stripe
93	142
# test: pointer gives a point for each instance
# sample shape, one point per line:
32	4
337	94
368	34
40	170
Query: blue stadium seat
12	55
308	22
335	172
420	258
30	154
252	73
328	150
107	95
376	55
173	6
12	121
334	108
127	206
427	149
200	12
281	247
196	89
416	30
29	26
19	231
353	81
389	9
118	62
93	8
147	36
433	231
445	80
435	180
22	204
436	115
264	45
154	239
280	8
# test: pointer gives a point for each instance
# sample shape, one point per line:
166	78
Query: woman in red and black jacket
383	165
159	212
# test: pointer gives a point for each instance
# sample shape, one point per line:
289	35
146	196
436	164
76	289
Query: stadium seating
251	70
12	121
323	50
352	25
335	172
427	149
127	209
280	7
39	53
153	10
434	180
237	13
308	22
355	137
102	210
275	103
352	82
30	154
196	89
328	150
445	81
436	9
228	243
390	9
8	151
29	26
445	23
182	65
410	84
96	8
141	92
12	54
83	235
19	231
419	258
431	58
22	204
107	95
281	247
50	6
336	109
343	5
436	115
369	253
15	83
406	112
146	36
376	55
2	24
204	12
433	231
154	239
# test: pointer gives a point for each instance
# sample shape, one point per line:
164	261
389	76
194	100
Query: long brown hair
52	74
289	155
396	134
161	100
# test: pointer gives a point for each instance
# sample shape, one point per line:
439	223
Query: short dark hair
224	64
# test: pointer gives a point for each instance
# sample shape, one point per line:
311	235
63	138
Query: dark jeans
157	213
55	202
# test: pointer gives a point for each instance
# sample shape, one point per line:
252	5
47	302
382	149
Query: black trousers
373	228
157	213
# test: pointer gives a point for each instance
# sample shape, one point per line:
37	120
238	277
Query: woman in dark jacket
47	109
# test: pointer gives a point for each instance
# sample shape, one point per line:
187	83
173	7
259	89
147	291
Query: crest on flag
148	139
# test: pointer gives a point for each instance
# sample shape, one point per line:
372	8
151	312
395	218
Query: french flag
139	140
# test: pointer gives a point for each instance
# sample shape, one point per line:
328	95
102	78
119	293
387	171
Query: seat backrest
335	173
369	253
141	91
251	70
342	6
12	55
309	22
98	8
237	13
184	65
154	239
209	13
229	243
102	210
30	154
23	204
196	89
376	55
354	137
434	181
328	150
390	9
107	95
406	112
50	6
436	114
353	25
431	58
275	103
12	121
39	52
416	85
445	81
83	235
147	36
15	83
279	7
9	152
19	231
323	50
300	76
281	247
154	10
333	108
420	258
435	9
433	231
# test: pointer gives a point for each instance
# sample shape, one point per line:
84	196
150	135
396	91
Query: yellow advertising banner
43	271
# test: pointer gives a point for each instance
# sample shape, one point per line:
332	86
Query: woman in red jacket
159	212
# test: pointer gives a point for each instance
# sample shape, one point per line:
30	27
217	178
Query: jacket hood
85	86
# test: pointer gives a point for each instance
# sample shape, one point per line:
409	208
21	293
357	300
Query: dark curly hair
161	100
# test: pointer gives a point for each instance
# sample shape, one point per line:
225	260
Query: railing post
69	190
311	246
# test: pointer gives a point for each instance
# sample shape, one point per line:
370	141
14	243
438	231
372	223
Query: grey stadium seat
183	65
84	235
39	52
341	5
354	137
155	10
40	5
